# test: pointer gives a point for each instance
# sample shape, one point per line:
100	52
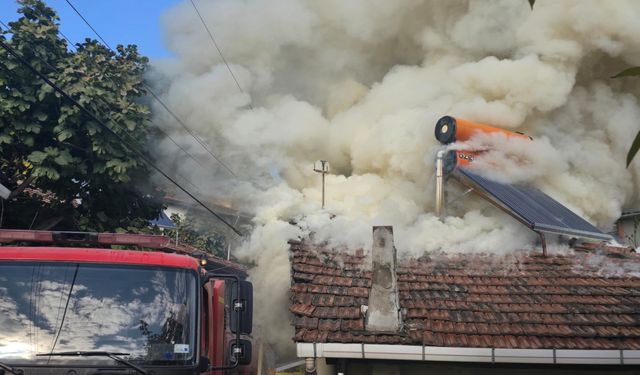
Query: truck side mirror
242	308
242	352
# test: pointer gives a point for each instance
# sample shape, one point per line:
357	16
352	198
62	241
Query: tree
78	176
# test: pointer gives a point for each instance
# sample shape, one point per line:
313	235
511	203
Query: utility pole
324	169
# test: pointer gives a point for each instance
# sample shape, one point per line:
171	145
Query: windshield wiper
112	355
12	370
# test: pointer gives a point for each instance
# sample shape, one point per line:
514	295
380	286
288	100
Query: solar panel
531	206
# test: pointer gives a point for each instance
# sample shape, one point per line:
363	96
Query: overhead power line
184	126
104	126
88	24
215	44
158	99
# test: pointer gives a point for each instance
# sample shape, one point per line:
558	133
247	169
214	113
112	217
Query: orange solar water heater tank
450	129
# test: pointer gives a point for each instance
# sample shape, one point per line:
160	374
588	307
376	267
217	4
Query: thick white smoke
361	84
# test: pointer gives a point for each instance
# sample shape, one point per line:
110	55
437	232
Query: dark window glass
148	312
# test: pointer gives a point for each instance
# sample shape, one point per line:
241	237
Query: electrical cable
114	134
88	24
157	98
215	44
184	126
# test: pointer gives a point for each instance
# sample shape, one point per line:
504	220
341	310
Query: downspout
310	366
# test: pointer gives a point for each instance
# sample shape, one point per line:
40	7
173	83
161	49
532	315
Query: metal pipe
544	244
323	174
440	183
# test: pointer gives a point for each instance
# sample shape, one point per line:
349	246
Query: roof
163	221
580	300
91	255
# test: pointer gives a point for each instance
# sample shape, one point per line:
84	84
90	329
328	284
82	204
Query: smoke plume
361	83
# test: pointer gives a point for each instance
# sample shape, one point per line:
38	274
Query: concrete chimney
383	314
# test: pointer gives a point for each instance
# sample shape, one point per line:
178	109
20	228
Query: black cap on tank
446	130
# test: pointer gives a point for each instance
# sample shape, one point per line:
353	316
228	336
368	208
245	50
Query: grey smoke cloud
362	83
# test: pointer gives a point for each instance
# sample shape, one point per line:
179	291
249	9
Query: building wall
370	367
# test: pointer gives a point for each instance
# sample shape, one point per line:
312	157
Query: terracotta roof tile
560	302
305	322
300	276
329	324
302	309
353	325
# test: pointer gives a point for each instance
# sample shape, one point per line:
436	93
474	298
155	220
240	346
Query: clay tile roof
583	300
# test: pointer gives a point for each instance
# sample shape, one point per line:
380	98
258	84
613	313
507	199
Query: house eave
470	355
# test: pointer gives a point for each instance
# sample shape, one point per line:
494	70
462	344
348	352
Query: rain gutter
476	355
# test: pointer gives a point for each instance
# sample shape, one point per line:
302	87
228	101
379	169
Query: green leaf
52	174
63	159
635	146
113	163
37	157
28	141
635	71
45	89
131	125
5	138
33	128
65	134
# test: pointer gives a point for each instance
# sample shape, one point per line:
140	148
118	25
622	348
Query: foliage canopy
77	177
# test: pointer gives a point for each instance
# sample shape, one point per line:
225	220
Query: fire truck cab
90	310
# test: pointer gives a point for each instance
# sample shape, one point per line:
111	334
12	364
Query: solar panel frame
532	207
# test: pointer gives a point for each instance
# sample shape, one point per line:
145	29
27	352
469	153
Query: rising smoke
361	83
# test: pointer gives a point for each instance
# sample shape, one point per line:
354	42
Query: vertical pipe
439	184
323	173
620	227
310	366
544	244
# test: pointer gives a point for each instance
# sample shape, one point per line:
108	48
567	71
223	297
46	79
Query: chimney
383	314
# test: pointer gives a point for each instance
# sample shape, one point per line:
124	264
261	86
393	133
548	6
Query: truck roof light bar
41	236
161	243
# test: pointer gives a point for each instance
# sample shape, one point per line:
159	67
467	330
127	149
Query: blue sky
118	21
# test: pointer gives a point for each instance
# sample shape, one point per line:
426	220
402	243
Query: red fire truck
87	309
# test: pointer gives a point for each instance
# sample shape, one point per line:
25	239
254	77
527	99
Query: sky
118	21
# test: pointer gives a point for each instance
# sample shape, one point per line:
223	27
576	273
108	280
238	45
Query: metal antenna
324	169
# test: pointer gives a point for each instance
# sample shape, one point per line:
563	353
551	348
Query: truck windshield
147	312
